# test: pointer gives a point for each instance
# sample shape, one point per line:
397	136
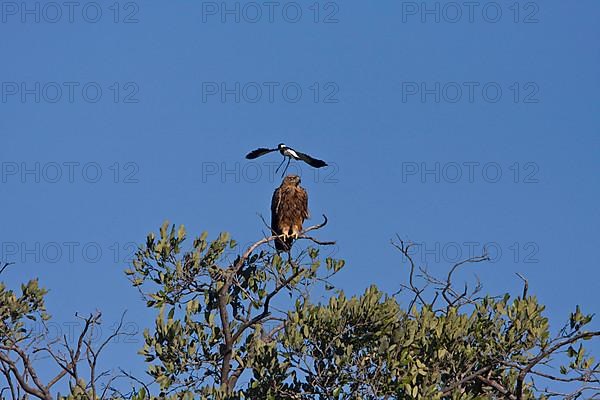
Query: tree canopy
250	328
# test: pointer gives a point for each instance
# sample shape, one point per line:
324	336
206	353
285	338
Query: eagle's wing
313	162
275	204
276	219
258	152
303	203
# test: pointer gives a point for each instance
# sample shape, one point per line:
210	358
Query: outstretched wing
313	162
258	152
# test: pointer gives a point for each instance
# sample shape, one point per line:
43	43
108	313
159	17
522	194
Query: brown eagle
289	209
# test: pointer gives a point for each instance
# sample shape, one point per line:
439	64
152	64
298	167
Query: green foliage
215	318
247	329
364	347
370	347
15	309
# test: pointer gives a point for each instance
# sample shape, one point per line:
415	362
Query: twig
6	265
525	284
533	362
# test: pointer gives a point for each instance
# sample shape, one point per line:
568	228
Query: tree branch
533	362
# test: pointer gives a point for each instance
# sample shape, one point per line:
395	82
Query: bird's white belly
290	153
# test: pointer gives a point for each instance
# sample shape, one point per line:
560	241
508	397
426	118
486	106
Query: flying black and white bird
288	153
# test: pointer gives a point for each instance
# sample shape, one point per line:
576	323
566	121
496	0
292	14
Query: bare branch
21	378
6	265
525	284
543	354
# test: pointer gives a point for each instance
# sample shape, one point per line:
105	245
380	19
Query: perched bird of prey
287	153
289	209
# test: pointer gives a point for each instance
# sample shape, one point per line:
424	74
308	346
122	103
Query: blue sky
450	126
